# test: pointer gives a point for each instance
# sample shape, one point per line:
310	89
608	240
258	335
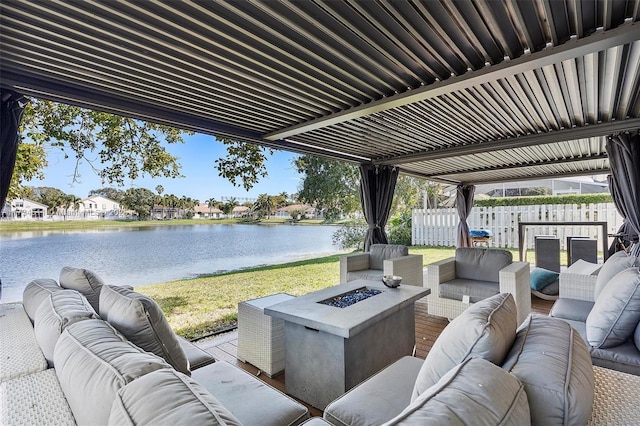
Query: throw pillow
141	320
36	292
474	392
540	278
616	311
485	330
615	264
84	281
378	253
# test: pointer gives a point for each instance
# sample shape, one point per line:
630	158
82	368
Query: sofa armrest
515	279
353	262
579	281
440	272
408	267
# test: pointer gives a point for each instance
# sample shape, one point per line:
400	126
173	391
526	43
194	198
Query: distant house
24	209
305	210
202	211
240	211
97	207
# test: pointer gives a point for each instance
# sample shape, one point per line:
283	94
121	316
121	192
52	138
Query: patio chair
382	259
475	274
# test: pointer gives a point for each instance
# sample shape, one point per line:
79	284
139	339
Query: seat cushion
168	397
615	264
84	281
616	312
486	330
553	362
541	278
481	264
249	399
141	320
378	253
59	310
624	357
474	392
476	290
93	361
571	309
35	292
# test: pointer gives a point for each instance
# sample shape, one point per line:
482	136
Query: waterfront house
302	211
96	207
24	209
203	211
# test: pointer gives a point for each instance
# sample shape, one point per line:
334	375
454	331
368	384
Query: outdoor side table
261	337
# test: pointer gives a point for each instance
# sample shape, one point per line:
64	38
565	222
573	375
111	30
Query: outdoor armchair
475	274
382	259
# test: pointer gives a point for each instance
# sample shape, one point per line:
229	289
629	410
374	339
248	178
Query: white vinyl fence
437	227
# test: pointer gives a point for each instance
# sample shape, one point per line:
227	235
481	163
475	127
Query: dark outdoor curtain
12	108
464	204
377	185
624	159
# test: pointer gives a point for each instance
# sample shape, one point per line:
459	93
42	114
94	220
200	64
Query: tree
140	200
110	193
49	196
211	203
330	185
244	162
264	206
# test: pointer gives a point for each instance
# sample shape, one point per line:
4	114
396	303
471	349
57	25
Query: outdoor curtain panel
12	108
464	204
624	184
377	185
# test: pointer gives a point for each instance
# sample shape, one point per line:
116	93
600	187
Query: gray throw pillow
480	264
35	292
485	330
141	320
84	281
475	392
378	253
615	264
616	312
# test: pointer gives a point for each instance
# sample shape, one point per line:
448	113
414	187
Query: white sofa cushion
475	392
553	362
84	281
170	398
35	292
59	310
615	264
485	330
141	320
93	361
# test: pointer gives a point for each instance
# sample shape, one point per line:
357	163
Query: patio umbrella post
377	185
464	204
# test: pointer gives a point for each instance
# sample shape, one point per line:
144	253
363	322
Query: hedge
545	199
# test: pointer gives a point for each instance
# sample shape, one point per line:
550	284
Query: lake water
148	255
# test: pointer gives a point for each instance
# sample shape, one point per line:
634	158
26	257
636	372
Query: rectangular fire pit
347	299
329	350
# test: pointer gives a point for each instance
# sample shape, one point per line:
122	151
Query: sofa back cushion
378	253
616	312
35	292
473	392
93	361
84	281
553	362
168	397
485	330
141	320
61	309
481	264
615	264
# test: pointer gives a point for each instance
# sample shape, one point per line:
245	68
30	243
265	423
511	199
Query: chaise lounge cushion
481	265
84	281
486	330
378	253
473	392
93	361
35	292
59	310
616	312
141	320
168	397
615	264
553	362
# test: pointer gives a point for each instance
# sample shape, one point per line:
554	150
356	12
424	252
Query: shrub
400	229
350	235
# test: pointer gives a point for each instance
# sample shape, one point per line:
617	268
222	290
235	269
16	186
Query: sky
197	156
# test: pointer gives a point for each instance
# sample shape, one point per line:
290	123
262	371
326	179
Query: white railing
437	227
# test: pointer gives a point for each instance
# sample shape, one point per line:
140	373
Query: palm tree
160	199
264	205
211	203
73	202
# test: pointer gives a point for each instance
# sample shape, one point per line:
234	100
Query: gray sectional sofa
116	361
605	310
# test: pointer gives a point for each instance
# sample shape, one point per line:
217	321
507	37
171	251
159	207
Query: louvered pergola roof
454	91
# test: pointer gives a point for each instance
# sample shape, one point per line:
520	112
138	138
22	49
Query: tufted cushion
35	292
485	330
84	281
55	313
553	362
141	320
473	392
616	312
378	253
168	397
481	264
93	361
615	264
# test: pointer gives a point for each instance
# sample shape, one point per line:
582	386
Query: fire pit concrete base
329	350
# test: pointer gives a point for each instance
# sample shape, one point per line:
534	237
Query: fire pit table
329	348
